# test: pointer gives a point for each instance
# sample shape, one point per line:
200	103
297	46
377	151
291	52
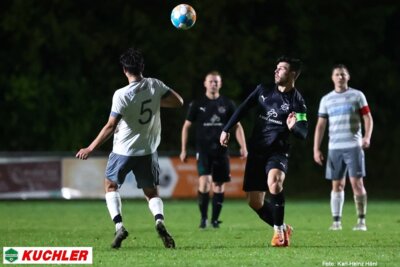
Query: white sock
118	226
337	200
278	228
114	205
156	206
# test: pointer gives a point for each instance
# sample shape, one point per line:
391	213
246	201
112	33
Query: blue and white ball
183	17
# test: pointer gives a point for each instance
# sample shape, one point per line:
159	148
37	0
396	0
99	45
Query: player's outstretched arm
171	100
105	133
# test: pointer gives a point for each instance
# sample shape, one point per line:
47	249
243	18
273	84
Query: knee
204	188
218	187
150	192
275	181
204	184
275	189
358	188
338	186
275	186
110	186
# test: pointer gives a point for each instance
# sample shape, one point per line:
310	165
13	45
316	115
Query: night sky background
59	67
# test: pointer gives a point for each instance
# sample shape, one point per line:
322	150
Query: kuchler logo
47	255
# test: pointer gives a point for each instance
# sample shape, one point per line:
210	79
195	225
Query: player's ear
294	75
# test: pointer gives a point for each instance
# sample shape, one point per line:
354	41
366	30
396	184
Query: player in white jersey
135	123
343	108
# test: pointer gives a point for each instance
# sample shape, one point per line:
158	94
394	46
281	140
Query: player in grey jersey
135	123
343	108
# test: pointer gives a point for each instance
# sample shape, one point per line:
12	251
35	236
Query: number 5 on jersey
145	112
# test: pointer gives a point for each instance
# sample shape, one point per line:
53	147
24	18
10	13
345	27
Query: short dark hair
132	61
294	63
340	66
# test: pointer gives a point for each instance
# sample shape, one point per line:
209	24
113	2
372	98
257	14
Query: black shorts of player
214	164
257	167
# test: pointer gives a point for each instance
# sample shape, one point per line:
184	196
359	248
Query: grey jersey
343	111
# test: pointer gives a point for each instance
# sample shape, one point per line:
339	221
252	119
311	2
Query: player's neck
135	78
341	89
212	95
285	88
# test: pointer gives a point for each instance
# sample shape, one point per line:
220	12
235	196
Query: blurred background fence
61	176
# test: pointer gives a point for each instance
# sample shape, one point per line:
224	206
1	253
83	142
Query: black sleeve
250	101
300	129
191	114
231	108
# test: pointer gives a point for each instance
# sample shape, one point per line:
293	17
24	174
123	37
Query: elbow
181	102
178	102
111	128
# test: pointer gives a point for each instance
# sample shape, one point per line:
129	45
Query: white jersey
139	130
343	110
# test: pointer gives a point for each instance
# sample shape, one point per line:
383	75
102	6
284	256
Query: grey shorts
341	162
145	169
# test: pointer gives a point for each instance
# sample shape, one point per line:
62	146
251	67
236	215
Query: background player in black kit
210	113
279	111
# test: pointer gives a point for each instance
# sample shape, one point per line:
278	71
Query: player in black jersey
210	113
279	111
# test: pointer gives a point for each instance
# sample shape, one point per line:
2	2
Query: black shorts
214	164
257	167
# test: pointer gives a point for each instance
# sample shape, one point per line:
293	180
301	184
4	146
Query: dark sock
278	208
203	199
158	216
117	219
265	213
217	201
336	218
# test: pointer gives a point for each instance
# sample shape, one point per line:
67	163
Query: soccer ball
183	17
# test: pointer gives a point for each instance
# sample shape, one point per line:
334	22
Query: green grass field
242	240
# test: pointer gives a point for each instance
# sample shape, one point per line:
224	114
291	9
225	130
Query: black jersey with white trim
272	109
210	116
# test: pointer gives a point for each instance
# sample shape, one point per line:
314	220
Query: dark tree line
59	66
